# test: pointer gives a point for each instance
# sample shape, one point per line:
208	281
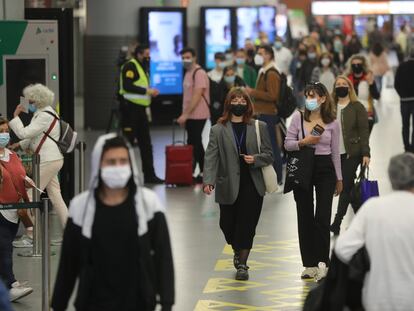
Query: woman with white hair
384	225
36	137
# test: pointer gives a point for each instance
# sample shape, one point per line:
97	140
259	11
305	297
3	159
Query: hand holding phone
24	104
317	130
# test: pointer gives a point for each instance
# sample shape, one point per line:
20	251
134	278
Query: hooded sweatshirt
154	273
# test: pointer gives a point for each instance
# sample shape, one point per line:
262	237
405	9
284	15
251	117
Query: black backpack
67	138
286	104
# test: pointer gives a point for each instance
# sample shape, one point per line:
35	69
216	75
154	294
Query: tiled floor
204	274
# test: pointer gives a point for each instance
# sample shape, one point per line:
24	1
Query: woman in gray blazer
233	168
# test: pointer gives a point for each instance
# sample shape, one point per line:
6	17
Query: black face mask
342	91
357	68
238	110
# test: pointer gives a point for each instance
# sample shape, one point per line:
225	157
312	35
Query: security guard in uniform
135	91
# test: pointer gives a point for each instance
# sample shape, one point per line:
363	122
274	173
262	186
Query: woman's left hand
366	161
249	159
339	187
18	110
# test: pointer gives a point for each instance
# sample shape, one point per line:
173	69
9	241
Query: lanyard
239	141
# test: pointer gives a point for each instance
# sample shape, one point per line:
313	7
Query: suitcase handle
175	142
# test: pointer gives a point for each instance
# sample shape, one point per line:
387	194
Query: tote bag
369	188
269	174
299	167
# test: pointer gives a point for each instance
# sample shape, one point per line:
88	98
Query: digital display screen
247	25
366	23
267	22
166	41
282	25
400	20
217	33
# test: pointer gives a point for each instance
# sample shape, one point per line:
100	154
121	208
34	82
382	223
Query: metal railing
43	235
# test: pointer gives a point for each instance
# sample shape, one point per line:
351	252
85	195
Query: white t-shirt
340	107
384	225
283	58
215	75
327	78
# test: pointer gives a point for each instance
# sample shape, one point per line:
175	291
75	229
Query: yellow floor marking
222	285
205	305
296	259
279	275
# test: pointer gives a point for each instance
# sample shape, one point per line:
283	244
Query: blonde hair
39	94
360	57
351	90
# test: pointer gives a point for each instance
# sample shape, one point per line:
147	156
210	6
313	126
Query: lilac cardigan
328	145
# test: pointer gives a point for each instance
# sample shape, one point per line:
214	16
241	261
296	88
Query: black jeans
194	130
349	168
135	125
313	227
8	231
407	113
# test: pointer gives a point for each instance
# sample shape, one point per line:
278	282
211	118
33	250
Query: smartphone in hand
317	130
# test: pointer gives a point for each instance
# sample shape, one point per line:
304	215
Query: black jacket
403	80
156	267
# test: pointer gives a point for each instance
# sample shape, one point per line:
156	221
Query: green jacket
249	76
354	123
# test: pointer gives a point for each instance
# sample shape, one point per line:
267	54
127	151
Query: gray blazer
221	162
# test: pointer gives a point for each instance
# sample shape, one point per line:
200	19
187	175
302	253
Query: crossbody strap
302	126
202	95
46	135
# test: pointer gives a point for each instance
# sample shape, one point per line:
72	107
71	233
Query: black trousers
239	220
349	168
407	114
194	130
135	125
313	227
8	231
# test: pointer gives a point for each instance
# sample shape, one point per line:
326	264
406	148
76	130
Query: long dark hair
234	93
327	108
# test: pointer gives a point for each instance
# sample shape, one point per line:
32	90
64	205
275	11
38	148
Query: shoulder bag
299	167
269	174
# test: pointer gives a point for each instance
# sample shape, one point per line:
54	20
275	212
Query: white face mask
258	60
117	176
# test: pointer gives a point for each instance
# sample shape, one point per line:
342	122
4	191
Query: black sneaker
198	179
242	273
236	260
153	180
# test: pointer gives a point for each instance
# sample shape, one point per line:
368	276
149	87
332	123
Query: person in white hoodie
283	56
116	242
384	225
34	137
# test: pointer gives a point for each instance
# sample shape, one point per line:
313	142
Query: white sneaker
19	284
309	273
19	292
24	241
322	272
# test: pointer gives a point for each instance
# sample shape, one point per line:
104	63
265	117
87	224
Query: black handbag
299	167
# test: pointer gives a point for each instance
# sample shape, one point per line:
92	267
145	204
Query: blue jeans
8	231
271	122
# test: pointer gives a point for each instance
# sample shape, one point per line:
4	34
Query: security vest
143	81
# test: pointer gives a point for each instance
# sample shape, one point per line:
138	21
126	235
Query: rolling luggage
179	162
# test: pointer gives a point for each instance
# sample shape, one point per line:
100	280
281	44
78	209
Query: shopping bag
369	189
299	167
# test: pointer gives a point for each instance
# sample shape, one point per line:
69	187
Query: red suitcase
179	163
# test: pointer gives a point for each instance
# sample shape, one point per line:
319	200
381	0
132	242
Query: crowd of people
336	86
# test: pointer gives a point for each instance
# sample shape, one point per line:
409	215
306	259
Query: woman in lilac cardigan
313	226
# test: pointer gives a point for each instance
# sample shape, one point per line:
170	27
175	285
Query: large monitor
247	24
216	34
164	31
267	23
403	20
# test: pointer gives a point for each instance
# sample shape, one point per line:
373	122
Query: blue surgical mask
311	55
4	139
240	61
32	108
229	79
222	65
278	45
312	104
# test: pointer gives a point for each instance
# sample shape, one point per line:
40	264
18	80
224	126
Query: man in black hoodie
404	87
